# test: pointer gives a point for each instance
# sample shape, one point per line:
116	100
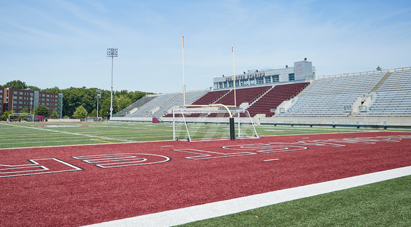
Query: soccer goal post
20	117
210	123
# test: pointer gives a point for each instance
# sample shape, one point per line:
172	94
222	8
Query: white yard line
232	206
72	133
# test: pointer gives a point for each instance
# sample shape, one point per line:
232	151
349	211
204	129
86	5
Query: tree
6	115
86	97
54	115
93	113
16	84
25	110
80	113
379	68
105	108
42	110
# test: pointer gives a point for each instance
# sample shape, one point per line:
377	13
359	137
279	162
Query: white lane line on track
232	206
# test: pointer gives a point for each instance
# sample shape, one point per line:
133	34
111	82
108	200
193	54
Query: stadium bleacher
139	103
274	98
393	98
191	96
157	102
327	96
330	97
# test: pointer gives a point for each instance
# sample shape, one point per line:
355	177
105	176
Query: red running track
79	185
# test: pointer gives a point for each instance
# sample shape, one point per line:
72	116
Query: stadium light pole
112	52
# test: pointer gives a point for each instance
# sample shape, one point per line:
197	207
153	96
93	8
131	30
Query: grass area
386	203
15	135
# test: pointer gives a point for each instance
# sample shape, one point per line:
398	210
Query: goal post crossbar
214	105
14	117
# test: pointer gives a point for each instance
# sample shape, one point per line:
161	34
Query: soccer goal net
20	117
212	123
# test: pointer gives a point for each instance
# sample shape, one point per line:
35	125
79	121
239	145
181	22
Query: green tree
86	97
93	113
16	84
25	110
105	108
42	110
6	115
34	88
80	113
54	115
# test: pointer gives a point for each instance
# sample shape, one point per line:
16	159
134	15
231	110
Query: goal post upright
231	118
184	84
232	130
235	95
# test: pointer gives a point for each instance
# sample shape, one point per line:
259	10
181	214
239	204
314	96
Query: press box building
302	71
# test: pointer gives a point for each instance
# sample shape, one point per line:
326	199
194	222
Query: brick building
18	99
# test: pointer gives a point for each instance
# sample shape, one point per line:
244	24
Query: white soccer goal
210	123
20	117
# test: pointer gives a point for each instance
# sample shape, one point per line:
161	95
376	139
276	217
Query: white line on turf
232	206
77	134
275	159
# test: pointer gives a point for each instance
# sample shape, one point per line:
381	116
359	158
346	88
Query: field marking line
275	159
101	141
232	206
72	133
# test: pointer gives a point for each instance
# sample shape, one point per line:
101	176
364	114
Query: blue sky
48	43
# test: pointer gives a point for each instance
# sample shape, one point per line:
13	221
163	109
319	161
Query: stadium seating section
332	96
274	98
393	98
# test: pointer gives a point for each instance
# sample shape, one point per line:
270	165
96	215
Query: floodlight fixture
112	52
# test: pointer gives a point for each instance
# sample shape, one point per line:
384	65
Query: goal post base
232	130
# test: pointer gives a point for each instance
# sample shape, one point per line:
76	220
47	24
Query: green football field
14	135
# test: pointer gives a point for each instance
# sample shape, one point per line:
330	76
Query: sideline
221	208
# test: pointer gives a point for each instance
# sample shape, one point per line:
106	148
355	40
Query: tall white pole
184	84
112	52
235	95
111	103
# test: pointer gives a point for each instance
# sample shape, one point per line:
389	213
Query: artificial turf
386	203
18	135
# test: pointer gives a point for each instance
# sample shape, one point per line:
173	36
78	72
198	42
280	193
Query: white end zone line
232	206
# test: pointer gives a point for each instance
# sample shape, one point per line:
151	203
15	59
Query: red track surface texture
79	185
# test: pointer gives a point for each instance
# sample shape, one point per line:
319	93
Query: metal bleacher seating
393	98
328	97
158	101
191	96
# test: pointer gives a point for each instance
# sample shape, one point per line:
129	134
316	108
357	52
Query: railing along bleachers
243	95
274	98
393	98
328	96
210	98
